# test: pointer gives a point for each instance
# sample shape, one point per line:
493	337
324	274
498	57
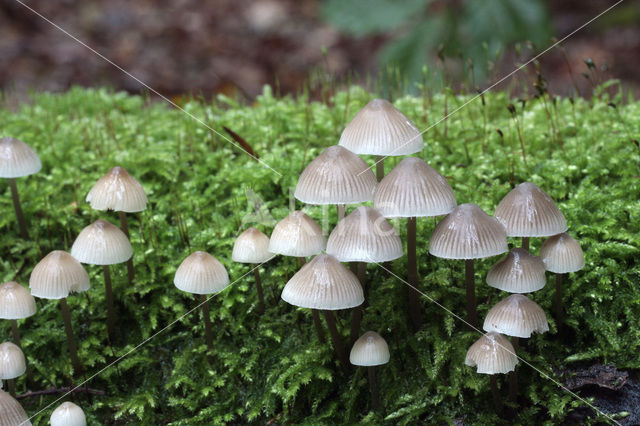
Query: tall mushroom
17	159
68	414
11	412
368	351
102	243
252	246
413	189
468	233
12	363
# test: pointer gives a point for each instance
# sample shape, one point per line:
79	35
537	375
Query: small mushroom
368	351
12	363
15	303
11	412
518	272
252	246
68	414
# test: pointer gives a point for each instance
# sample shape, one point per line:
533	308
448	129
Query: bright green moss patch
271	368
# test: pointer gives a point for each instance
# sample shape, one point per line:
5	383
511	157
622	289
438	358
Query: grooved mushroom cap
15	301
323	283
101	243
56	275
119	191
252	246
519	272
201	273
297	235
414	189
369	350
468	233
17	159
68	414
492	354
364	236
517	315
562	254
12	362
11	412
527	211
380	129
337	176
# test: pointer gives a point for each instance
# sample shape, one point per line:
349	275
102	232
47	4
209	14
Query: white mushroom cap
15	301
527	211
364	236
323	283
468	233
101	243
12	362
492	354
68	414
517	315
56	275
201	273
562	254
380	129
17	159
369	350
252	246
119	191
297	235
11	412
337	176
518	272
414	189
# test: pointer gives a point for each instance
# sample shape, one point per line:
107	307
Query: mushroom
15	303
468	233
17	159
368	351
121	192
202	274
54	277
252	246
527	211
380	129
413	189
11	412
518	272
68	414
12	364
102	243
561	255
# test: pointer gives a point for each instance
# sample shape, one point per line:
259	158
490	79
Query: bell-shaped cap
68	414
492	354
380	129
364	236
527	211
17	159
252	246
337	176
56	275
201	273
369	350
414	189
468	233
323	283
101	243
11	412
518	272
297	235
119	191
517	315
562	254
15	301
12	362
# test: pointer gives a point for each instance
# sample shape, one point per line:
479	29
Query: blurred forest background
236	46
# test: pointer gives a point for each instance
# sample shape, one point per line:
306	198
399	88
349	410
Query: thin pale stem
513	376
111	315
22	223
71	340
335	339
472	316
412	274
525	243
379	167
125	229
256	273
206	318
375	403
341	208
358	311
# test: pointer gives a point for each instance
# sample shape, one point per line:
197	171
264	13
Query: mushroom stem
412	274
472	316
558	300
18	342
256	273
206	318
318	325
513	376
497	403
71	341
125	229
358	311
109	294
335	339
12	387
379	167
341	208
525	243
16	206
375	404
